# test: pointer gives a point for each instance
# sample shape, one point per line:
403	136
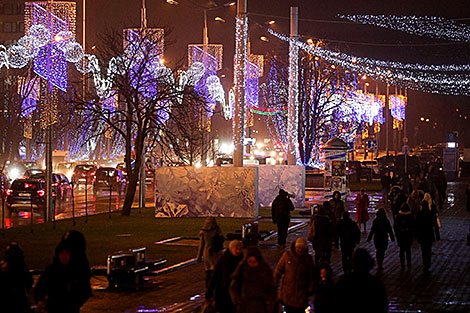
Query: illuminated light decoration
453	80
55	18
257	60
252	85
397	105
199	52
431	26
228	107
352	109
209	85
269	111
240	63
293	103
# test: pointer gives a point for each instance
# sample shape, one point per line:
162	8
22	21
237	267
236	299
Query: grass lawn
105	236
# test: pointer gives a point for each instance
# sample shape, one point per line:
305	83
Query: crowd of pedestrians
245	283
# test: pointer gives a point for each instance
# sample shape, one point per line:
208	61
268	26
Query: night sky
184	23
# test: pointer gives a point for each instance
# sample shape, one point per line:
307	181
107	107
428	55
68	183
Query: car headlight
14	173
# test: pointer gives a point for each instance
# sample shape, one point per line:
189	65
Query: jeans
405	250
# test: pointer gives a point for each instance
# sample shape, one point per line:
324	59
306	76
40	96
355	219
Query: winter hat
234	244
301	243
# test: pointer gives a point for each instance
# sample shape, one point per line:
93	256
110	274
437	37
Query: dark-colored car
25	193
108	179
83	174
464	169
60	185
356	170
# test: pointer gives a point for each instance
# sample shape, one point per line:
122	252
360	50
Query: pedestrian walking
360	291
427	231
63	287
252	289
467	195
337	209
380	231
320	235
414	201
404	231
347	236
210	248
362	205
441	184
218	290
15	281
385	181
324	290
281	208
296	269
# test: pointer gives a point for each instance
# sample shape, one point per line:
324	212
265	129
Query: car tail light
41	193
9	192
55	184
92	173
26	185
347	168
149	172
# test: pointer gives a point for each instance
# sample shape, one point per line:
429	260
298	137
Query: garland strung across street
431	26
455	79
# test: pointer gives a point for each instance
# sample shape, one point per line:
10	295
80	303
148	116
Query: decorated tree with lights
136	100
323	111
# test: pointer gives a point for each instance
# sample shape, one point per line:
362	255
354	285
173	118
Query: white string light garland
431	26
453	79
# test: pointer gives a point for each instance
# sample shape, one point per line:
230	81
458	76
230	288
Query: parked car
25	193
83	174
356	170
374	165
108	179
464	169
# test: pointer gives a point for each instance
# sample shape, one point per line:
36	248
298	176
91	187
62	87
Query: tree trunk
130	192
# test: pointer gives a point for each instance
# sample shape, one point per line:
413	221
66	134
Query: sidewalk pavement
446	289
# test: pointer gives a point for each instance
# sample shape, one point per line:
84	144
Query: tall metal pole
293	88
49	203
143	15
387	119
241	43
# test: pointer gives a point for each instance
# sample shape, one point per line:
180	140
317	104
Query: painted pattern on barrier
291	178
190	191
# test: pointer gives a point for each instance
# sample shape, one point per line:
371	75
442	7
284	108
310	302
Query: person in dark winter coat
360	291
218	289
386	181
348	236
404	231
324	290
207	251
320	234
252	288
281	208
427	231
380	230
398	202
296	269
337	209
65	285
15	281
441	184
